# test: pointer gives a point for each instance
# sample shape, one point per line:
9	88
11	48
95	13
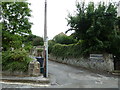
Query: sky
57	12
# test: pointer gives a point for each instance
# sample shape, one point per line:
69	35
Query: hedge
71	50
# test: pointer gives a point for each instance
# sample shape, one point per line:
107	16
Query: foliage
38	41
32	40
67	51
63	39
95	26
115	48
28	46
15	60
9	40
0	35
15	23
29	38
51	43
97	29
39	49
15	17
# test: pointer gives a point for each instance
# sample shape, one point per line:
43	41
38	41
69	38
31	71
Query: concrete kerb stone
36	80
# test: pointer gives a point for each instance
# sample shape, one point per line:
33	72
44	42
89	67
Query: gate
117	63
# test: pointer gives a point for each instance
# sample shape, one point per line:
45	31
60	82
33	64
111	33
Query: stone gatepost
34	68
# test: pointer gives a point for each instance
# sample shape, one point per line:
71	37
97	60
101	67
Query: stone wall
14	73
106	64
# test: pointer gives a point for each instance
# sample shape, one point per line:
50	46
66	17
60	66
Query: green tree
64	39
28	41
32	40
95	26
29	38
38	41
15	23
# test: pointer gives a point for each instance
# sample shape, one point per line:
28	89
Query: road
66	76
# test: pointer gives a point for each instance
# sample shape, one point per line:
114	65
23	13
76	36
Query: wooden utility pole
45	43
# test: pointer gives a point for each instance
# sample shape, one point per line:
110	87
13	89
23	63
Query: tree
38	41
15	23
30	38
95	26
64	39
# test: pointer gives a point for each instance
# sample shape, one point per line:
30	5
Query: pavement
26	80
37	79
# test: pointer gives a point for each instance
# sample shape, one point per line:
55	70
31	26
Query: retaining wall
106	64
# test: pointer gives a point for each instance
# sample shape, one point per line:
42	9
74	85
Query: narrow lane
67	76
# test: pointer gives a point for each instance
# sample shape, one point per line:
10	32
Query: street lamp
45	43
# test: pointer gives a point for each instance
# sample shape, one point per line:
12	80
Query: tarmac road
66	76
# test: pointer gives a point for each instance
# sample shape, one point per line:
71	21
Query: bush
15	60
65	51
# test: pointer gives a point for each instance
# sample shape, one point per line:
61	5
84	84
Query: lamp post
45	42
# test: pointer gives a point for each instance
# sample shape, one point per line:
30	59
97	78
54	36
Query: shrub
15	60
65	51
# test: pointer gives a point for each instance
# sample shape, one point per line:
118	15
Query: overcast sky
57	11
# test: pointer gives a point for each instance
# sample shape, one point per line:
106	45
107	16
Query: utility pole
45	43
